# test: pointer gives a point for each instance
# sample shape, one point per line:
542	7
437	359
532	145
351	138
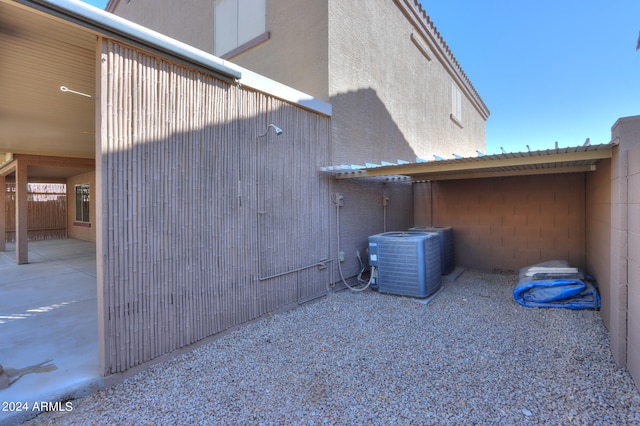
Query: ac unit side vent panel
408	263
447	251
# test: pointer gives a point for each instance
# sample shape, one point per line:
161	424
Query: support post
104	329
3	218
22	254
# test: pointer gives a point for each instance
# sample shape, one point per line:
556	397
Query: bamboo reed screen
46	211
205	226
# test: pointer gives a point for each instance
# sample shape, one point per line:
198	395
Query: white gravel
470	356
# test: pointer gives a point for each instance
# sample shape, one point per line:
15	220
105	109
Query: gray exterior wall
203	225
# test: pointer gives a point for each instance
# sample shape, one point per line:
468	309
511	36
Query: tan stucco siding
390	102
296	53
192	25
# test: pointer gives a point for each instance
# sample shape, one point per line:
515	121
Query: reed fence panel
46	211
205	225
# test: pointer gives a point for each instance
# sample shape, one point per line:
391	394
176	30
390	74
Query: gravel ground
472	355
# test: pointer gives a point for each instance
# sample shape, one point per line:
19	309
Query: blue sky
548	70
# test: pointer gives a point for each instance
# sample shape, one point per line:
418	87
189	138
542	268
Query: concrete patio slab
48	324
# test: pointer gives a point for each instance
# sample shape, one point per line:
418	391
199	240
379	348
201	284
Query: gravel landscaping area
471	355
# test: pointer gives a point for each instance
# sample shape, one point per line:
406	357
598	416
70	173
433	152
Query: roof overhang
48	45
103	22
45	168
563	160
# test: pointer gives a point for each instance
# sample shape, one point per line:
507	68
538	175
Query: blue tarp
556	290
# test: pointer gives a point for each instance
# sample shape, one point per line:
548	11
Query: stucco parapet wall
108	23
418	16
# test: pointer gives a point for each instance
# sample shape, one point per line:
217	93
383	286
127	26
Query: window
82	203
236	23
456	104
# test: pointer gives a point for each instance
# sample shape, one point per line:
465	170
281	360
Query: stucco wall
363	214
504	224
192	25
389	101
75	229
296	53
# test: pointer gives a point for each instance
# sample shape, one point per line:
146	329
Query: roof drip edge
565	160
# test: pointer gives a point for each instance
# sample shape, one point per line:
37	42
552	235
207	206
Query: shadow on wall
205	225
363	131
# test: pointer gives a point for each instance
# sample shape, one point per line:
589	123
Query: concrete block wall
504	224
616	302
621	299
633	266
598	230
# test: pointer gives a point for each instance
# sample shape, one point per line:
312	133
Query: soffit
41	53
562	160
45	168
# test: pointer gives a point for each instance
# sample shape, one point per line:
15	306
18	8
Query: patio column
3	206
22	255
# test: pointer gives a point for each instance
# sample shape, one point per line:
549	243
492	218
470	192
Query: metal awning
559	160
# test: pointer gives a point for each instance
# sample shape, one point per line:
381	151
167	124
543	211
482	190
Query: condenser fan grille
408	264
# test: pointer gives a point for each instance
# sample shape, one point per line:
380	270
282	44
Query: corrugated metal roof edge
402	167
115	24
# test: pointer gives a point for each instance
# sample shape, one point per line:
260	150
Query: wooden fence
46	211
204	225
